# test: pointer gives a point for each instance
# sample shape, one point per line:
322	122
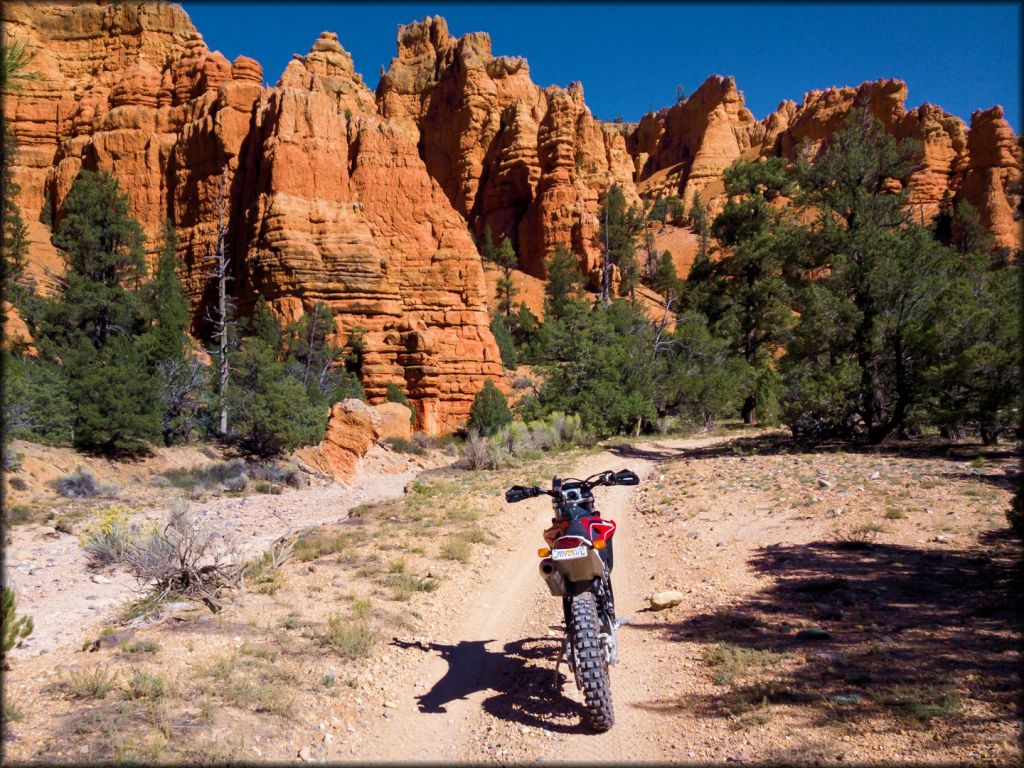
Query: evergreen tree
504	256
701	226
102	246
95	322
666	280
750	299
490	411
968	235
619	228
166	306
674	205
861	347
116	397
14	231
974	378
272	412
264	326
36	405
658	210
311	354
506	345
525	329
564	280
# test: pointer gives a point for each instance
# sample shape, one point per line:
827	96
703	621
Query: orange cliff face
525	162
323	199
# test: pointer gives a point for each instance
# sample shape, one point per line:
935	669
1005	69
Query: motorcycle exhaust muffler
551	576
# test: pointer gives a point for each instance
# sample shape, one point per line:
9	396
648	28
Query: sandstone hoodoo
373	202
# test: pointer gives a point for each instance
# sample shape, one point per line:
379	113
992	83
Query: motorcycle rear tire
591	663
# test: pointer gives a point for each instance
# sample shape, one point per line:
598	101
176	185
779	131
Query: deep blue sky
631	56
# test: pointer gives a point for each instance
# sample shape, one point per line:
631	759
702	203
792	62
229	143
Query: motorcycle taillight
569	542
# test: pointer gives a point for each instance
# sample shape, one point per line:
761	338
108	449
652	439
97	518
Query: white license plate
569	554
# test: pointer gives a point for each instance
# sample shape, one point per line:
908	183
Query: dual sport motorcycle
577	566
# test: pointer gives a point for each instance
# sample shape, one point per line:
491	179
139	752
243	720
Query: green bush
490	411
15	628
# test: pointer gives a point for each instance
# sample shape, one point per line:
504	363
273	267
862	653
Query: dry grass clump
92	683
353	639
924	704
144	685
456	548
517	441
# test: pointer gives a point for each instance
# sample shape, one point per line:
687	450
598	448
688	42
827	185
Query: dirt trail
485	691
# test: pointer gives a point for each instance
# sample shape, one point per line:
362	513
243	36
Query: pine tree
860	351
506	345
701	227
666	280
506	288
272	412
658	211
15	233
619	228
564	280
95	323
166	306
751	301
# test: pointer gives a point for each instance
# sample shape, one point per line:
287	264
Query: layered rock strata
320	198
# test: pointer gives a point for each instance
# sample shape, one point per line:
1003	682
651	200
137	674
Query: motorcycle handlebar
622	477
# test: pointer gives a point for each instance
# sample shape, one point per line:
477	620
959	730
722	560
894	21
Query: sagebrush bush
109	535
401	445
237	483
82	484
94	683
144	685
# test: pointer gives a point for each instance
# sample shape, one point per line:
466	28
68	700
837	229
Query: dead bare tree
222	321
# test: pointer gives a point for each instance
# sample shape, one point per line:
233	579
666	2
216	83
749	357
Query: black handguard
518	493
625	477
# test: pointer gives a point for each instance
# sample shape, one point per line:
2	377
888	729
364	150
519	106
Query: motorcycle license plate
569	554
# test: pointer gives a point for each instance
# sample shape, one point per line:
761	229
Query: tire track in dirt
486	692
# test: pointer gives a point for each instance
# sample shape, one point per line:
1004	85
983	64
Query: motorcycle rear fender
581	569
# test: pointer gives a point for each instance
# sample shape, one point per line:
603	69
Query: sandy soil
840	606
48	568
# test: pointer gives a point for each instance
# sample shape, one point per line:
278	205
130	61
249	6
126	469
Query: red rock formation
352	428
683	149
992	176
524	162
335	203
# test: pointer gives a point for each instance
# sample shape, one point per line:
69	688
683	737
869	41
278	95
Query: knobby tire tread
592	665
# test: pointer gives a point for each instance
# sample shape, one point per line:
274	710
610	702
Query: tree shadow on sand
521	675
871	628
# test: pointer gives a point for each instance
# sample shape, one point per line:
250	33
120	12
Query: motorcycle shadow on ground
521	676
